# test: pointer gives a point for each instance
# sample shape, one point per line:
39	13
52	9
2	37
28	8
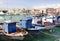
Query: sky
28	3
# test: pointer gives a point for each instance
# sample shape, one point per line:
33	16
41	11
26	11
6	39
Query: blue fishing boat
39	23
11	31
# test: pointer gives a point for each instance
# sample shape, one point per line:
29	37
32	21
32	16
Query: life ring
58	18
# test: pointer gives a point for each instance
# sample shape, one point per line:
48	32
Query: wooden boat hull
19	32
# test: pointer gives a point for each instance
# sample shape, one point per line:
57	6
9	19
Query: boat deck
19	32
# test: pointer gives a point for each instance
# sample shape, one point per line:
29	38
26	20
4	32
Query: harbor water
42	36
16	18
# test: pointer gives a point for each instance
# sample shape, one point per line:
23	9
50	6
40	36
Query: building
36	11
51	11
43	9
14	11
11	11
58	10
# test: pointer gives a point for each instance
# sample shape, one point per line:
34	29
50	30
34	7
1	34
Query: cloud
48	6
2	5
28	4
1	2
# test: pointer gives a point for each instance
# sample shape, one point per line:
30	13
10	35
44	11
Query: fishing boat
39	23
12	31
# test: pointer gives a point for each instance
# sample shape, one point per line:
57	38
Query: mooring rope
30	35
50	34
